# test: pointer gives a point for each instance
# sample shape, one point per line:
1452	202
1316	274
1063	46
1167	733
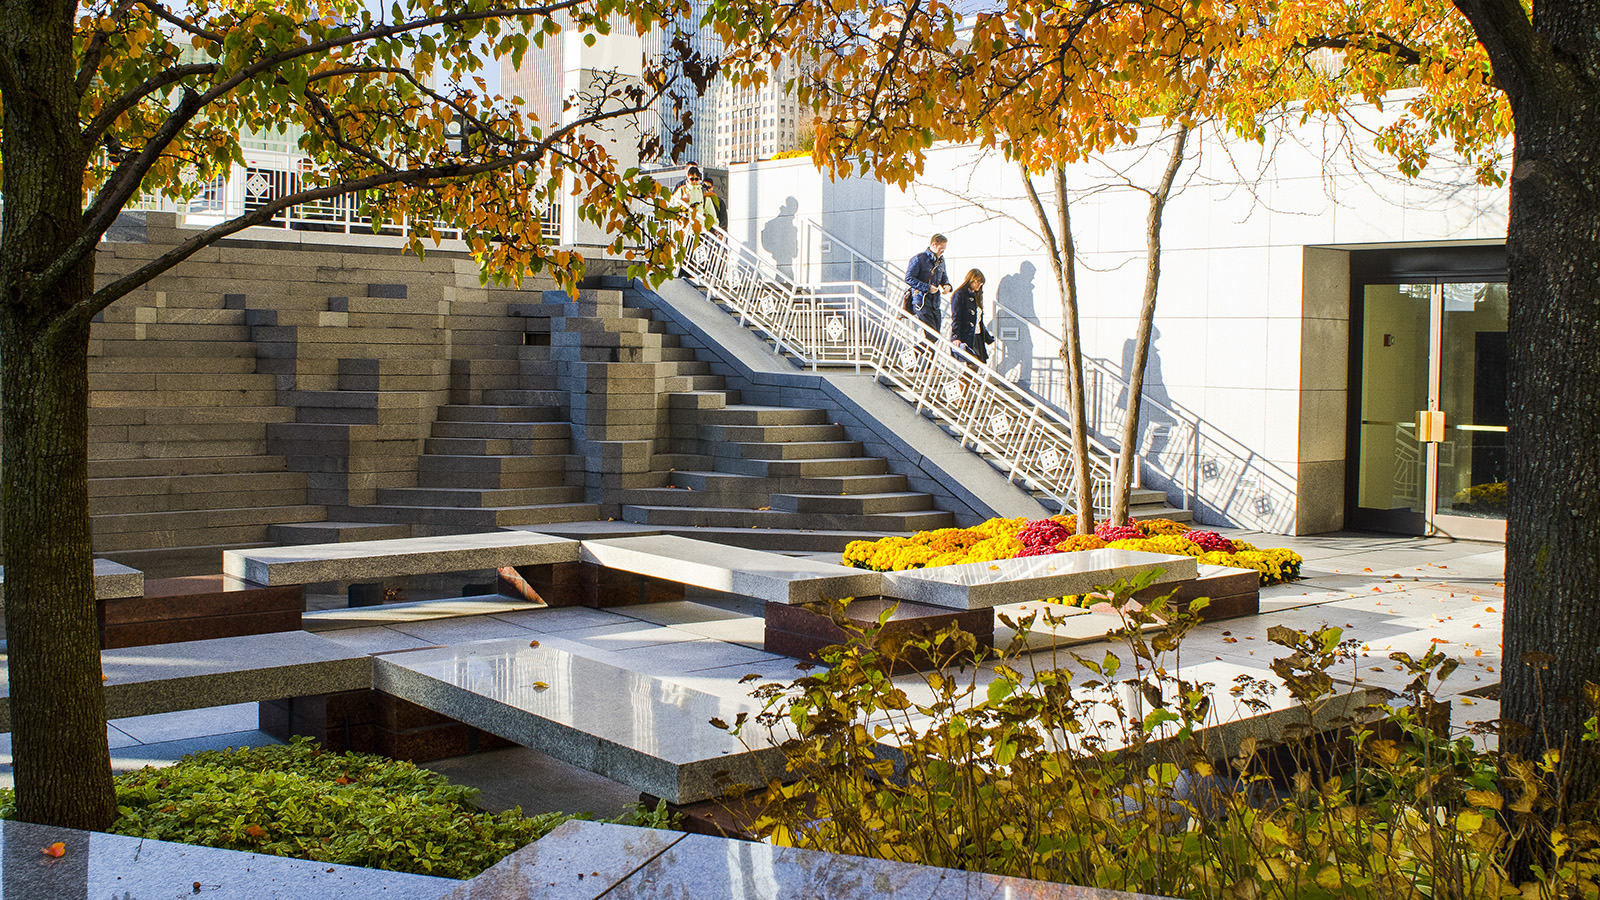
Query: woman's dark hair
693	171
967	282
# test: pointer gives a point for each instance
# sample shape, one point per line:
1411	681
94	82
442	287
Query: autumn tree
898	77
114	100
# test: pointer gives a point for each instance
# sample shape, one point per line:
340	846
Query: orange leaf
57	850
256	831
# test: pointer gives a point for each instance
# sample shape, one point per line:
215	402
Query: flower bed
1014	538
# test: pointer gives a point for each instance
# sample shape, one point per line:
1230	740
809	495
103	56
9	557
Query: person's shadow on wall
1156	422
1015	292
780	237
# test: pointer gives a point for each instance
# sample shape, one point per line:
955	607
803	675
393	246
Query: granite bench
197	674
734	570
560	698
111	581
362	560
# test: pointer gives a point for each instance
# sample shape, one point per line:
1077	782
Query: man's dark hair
693	170
938	239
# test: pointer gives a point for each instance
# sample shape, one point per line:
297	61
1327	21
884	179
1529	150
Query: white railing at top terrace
273	169
1179	452
850	324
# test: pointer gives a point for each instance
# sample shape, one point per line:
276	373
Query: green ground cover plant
1116	773
357	809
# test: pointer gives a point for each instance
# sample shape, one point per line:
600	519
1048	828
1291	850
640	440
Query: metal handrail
1179	450
850	324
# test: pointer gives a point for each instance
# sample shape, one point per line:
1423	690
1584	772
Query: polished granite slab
97	866
589	860
982	585
326	620
734	570
553	695
162	678
358	560
111	581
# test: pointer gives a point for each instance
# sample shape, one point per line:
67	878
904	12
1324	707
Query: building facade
1329	345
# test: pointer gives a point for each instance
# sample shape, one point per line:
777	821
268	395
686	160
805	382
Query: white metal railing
852	324
274	169
1179	452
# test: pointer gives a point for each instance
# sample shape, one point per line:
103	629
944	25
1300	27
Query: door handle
1430	426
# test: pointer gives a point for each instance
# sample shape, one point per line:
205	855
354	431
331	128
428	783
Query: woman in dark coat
967	330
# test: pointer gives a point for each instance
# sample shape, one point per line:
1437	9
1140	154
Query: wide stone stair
777	468
179	467
486	467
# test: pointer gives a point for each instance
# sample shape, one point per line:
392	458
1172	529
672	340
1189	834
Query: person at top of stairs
927	280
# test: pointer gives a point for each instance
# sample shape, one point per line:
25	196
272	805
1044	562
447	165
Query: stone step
767	518
495	447
792	450
181	502
804	468
163	315
450	479
182	466
699	400
188	350
762	433
853	504
159	331
243	363
460	413
163	524
219	395
153	485
481	519
782	539
526	398
708	481
479	498
135	382
336	532
526	431
451	464
688	497
165	449
762	415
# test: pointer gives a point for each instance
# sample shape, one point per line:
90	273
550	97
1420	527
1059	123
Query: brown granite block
558	584
1233	592
144	634
802	631
424	744
201	595
395	714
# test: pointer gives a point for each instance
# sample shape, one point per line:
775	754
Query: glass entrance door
1431	435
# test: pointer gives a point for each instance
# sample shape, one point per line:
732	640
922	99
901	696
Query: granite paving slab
734	570
373	560
982	585
588	860
646	732
163	678
99	866
111	581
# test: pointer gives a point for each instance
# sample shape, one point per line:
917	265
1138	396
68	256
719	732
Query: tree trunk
1550	71
1063	255
1123	485
1553	524
63	774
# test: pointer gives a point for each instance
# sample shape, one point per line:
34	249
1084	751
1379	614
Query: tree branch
96	48
108	115
1516	50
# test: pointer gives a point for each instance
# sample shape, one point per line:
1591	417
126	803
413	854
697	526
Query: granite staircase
663	443
179	467
485	467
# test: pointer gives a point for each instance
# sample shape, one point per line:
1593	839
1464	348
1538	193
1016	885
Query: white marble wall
1253	327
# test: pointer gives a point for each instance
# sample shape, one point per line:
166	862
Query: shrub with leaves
1113	776
299	800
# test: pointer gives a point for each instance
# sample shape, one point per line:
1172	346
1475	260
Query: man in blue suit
927	280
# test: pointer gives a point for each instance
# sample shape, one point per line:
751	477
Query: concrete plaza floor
1389	593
